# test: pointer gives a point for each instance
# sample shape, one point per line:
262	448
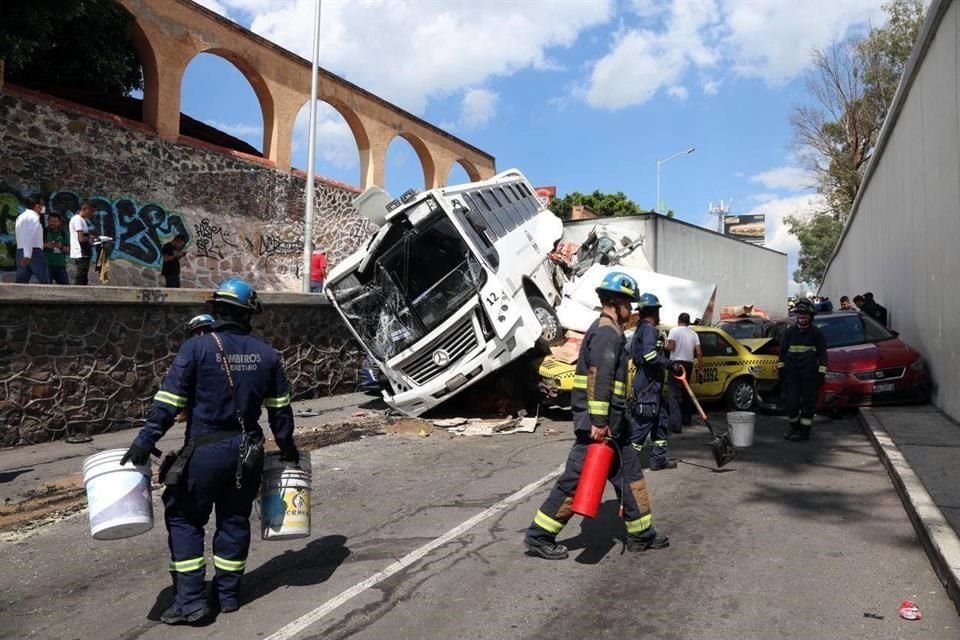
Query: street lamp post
660	162
311	153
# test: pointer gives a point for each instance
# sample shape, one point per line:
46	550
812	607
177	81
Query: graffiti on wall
139	230
211	239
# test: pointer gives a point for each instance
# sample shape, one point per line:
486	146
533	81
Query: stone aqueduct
168	34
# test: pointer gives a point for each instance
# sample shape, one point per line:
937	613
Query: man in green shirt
55	242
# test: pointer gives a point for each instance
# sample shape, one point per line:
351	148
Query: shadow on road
311	565
598	536
7	476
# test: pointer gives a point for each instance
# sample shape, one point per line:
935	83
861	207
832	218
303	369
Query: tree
852	84
603	204
818	237
78	44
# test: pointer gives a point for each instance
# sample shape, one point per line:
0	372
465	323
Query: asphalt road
793	541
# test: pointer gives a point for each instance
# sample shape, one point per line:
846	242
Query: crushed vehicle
741	372
456	284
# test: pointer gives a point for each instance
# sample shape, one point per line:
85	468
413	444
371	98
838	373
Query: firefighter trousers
800	395
649	417
210	484
626	476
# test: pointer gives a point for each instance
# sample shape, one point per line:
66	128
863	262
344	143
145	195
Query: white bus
456	284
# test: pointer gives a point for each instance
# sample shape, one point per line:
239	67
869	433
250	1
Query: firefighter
200	324
222	427
648	415
802	367
599	412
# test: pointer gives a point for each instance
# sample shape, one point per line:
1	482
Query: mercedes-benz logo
441	358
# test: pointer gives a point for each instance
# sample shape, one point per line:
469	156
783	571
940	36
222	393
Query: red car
868	364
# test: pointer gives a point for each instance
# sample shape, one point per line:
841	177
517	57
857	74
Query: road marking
293	628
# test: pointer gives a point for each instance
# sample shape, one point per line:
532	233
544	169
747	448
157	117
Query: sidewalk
920	447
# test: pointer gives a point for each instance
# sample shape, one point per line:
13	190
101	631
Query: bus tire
547	316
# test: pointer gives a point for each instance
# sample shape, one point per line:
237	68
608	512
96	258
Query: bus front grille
443	353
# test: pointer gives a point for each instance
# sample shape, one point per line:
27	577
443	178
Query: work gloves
137	455
291	455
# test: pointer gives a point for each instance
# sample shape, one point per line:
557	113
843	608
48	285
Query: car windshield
742	329
409	290
847	330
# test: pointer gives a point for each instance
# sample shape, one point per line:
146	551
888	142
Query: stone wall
242	216
89	360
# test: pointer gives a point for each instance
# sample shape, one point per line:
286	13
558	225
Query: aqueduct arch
170	33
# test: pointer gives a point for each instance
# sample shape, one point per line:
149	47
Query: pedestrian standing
599	413
31	261
224	377
803	368
81	242
874	309
683	343
55	243
648	414
318	270
845	303
172	252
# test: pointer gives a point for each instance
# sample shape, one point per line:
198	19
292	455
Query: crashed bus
455	285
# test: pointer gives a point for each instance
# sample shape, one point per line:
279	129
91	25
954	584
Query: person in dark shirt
55	242
172	252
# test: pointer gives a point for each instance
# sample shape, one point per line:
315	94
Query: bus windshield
411	288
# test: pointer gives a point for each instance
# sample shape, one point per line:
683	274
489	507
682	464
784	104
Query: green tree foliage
71	44
603	204
851	85
818	237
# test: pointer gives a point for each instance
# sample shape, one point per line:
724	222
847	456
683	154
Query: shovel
721	445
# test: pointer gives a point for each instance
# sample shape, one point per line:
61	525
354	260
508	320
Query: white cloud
770	40
643	61
678	92
789	178
335	142
778	234
239	130
408	52
478	108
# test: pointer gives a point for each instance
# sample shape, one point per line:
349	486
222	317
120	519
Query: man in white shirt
30	259
81	242
683	343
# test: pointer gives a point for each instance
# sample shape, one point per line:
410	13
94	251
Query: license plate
456	382
883	387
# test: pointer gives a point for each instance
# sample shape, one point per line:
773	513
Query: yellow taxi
737	371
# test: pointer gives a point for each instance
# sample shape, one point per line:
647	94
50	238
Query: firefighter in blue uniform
599	412
213	476
649	410
802	367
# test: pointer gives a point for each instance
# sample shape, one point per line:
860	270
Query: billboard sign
751	228
545	195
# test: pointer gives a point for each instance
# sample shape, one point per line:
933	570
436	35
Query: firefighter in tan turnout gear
599	412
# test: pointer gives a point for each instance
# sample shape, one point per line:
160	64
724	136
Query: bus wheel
552	331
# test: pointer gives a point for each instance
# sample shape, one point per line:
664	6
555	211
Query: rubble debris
910	611
486	428
446	423
306	413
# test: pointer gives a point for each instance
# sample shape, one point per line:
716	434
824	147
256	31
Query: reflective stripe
169	398
547	523
822	369
619	388
579	382
794	419
640	525
598	408
650	355
276	403
638	447
780	365
229	565
184	566
806	421
659	443
801	348
226	294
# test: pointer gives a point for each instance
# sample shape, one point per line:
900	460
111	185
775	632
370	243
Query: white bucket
285	499
118	497
741	427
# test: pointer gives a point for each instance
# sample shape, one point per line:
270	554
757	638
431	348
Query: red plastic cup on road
909	610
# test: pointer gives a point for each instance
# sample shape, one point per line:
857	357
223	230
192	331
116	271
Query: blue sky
581	94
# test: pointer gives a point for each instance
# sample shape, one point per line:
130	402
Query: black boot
669	464
791	433
642	543
546	549
175	616
800	435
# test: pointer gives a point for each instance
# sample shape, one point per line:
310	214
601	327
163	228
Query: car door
720	361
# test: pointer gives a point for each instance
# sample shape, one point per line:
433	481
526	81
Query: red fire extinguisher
593	479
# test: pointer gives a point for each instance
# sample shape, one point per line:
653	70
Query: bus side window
502	214
478	205
524	202
479	232
511	208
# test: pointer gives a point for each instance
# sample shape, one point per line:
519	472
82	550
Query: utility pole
311	153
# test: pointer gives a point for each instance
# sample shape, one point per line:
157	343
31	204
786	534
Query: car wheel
742	393
547	316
